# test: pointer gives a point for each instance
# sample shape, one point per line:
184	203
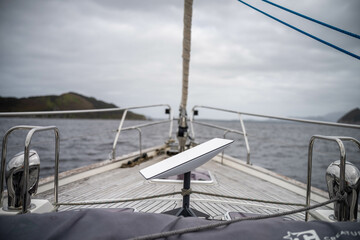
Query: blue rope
314	20
303	32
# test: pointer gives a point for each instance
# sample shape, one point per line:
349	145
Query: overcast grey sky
129	53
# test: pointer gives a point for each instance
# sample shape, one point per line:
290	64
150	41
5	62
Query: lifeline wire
183	193
115	200
314	20
209	226
303	32
220	224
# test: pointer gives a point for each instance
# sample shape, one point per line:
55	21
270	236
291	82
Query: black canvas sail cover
118	224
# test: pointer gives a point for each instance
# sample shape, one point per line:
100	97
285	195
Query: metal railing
240	114
283	118
14	114
125	111
226	130
120	128
32	131
342	184
138	128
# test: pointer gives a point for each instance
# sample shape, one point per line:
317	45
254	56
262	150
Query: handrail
32	131
125	111
222	128
217	127
138	128
283	118
226	131
339	141
113	151
261	116
146	125
11	114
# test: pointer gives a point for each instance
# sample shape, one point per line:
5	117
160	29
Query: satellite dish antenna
184	163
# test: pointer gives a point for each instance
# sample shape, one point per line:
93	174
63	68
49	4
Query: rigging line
303	32
248	199
225	223
183	192
314	20
115	200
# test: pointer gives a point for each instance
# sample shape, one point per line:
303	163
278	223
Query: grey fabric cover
110	224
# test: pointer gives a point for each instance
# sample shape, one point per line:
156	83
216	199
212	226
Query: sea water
281	147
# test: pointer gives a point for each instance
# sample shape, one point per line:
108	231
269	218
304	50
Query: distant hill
66	101
330	117
352	117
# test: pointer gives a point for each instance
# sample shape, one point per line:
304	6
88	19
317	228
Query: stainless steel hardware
25	175
351	189
341	207
15	180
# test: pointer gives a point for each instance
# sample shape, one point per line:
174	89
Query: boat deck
232	177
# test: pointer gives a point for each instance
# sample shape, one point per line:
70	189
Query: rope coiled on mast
188	4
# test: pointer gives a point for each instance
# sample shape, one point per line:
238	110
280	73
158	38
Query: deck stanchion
246	139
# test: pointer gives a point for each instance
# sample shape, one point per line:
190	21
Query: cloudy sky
129	53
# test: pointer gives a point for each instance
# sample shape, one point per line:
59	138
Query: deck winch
351	190
22	175
342	179
15	179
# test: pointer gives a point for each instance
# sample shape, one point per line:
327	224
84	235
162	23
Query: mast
183	127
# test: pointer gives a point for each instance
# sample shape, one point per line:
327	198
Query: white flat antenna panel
186	161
